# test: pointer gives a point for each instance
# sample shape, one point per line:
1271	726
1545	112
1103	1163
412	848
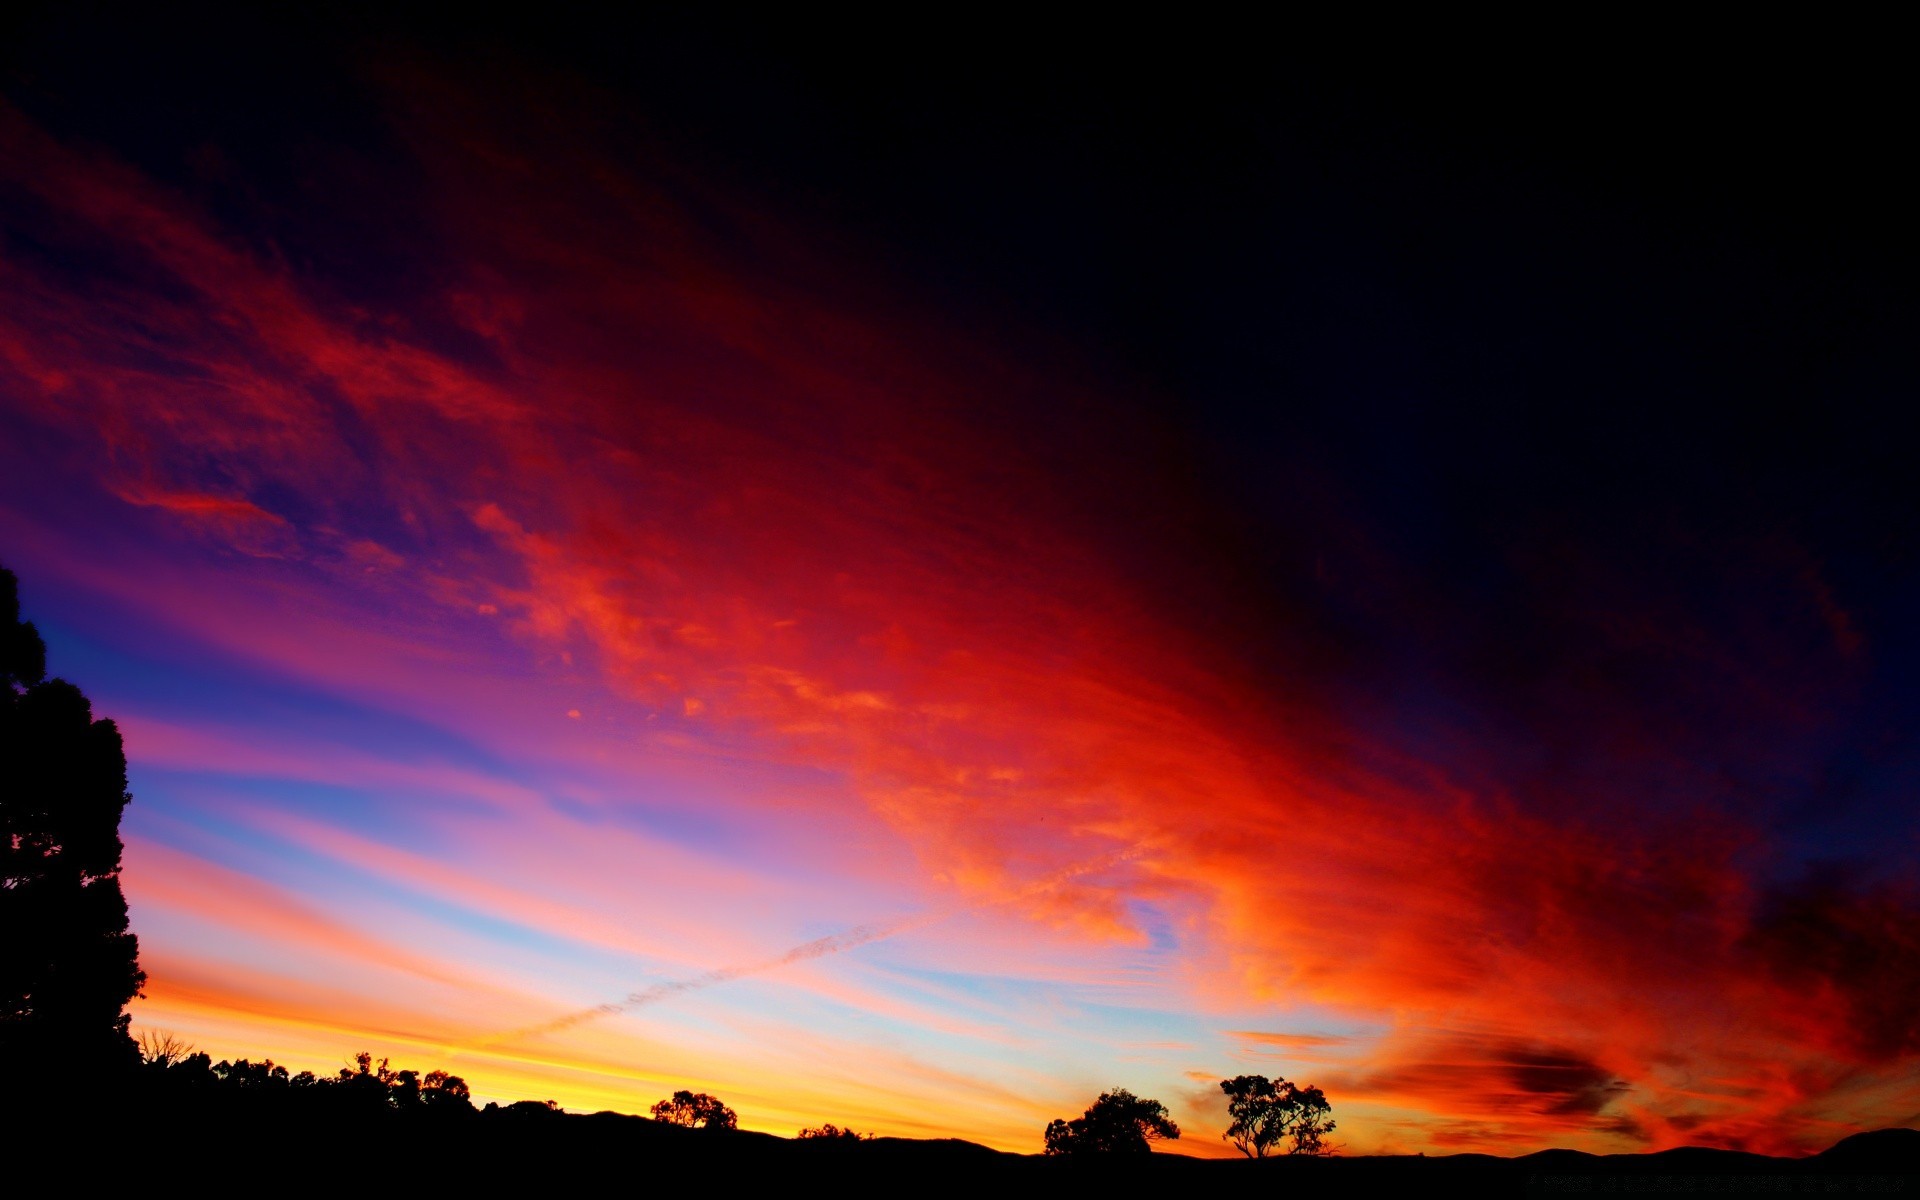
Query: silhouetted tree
830	1132
374	1084
404	1092
160	1050
366	1083
1313	1124
195	1070
441	1092
1267	1113
1119	1122
68	965
695	1110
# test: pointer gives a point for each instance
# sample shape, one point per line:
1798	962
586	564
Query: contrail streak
859	935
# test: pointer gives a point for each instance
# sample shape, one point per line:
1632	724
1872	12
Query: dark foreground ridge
532	1146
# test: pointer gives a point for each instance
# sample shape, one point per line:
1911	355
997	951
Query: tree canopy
68	964
1119	1122
695	1110
1270	1113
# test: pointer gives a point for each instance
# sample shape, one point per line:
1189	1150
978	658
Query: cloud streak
820	947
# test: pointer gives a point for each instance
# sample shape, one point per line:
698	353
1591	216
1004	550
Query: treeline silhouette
171	1071
368	1121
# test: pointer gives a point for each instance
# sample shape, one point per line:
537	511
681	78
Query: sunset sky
1011	567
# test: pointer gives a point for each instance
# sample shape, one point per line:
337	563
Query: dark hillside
282	1141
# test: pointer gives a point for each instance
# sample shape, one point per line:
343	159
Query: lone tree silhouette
1267	1113
695	1110
1119	1122
68	965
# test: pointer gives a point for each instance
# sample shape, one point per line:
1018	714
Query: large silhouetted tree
1119	1122
1269	1113
68	965
1313	1124
695	1110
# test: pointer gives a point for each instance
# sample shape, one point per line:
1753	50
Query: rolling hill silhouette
528	1145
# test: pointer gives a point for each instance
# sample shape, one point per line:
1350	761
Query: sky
909	589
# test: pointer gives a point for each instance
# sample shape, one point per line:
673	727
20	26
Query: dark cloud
1853	942
1575	1085
1493	1075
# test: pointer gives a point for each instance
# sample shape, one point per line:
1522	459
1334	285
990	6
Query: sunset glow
627	593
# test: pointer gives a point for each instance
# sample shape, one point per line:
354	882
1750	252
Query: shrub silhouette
695	1110
68	964
1267	1113
1119	1122
830	1132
